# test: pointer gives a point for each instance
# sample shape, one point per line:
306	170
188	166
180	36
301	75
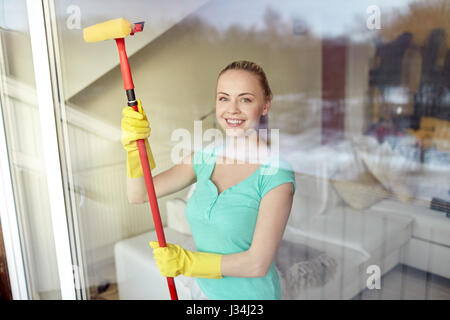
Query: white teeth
234	121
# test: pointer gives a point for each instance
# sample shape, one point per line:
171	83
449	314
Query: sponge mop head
111	29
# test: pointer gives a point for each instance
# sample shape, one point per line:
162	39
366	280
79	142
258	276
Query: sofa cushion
388	165
315	196
176	216
361	192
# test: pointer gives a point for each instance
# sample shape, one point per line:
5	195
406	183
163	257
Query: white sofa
356	240
384	234
137	275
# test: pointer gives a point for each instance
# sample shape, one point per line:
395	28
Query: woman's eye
246	100
222	99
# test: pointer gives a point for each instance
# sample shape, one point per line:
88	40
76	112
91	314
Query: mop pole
118	29
132	102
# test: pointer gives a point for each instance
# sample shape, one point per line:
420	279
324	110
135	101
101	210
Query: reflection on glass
362	110
23	135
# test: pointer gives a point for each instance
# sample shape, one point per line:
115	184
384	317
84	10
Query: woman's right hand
135	126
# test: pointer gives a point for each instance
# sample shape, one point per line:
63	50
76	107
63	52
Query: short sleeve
276	174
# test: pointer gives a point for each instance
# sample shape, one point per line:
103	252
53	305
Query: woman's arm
273	215
172	180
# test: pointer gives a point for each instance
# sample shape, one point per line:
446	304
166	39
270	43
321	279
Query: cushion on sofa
314	196
361	192
176	217
388	166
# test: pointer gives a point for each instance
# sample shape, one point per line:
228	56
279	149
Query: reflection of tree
272	21
409	79
275	32
274	38
434	86
419	18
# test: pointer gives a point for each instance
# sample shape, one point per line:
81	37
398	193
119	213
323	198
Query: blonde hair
253	68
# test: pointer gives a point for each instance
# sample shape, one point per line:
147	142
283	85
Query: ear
266	108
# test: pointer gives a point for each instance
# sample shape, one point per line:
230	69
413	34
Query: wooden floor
401	283
111	293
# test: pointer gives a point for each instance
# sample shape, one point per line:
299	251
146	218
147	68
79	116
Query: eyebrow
242	94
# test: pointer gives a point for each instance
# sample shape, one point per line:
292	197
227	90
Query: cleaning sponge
111	29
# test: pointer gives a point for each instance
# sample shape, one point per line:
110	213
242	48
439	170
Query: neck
247	149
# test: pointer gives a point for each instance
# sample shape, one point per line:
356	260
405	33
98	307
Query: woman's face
240	102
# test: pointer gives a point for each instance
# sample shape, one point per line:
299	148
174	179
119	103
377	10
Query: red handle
124	65
128	84
154	206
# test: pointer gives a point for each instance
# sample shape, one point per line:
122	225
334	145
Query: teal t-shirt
224	223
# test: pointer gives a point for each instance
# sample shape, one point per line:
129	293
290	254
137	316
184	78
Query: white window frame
42	72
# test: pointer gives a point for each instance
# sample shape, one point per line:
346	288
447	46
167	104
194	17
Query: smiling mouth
234	122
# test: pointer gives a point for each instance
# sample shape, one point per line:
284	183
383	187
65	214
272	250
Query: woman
239	210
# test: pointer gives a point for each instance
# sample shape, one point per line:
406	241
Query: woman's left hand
173	260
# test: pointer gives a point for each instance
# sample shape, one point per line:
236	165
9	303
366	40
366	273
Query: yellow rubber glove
135	126
173	260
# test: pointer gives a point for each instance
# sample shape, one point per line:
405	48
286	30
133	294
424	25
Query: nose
234	107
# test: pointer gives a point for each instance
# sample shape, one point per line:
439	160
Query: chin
239	132
231	132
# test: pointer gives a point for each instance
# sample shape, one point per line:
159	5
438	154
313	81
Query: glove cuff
203	265
134	167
